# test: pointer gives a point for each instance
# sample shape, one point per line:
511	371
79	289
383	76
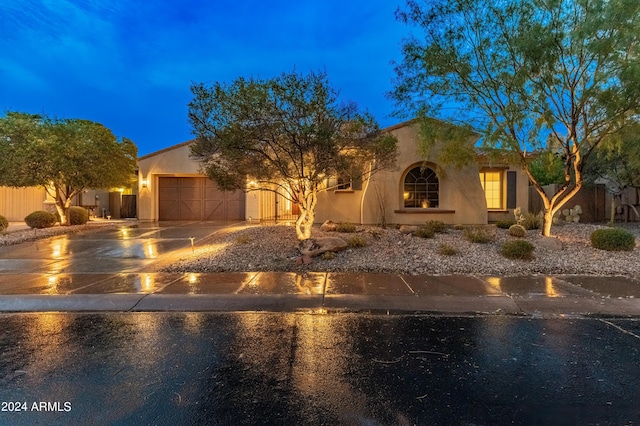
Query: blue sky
129	64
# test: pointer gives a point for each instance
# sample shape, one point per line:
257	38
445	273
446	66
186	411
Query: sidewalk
534	296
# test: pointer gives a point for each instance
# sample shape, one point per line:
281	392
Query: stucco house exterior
171	187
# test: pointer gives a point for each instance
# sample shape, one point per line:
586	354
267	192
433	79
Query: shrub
532	221
242	239
328	255
479	235
437	226
517	249
78	215
40	219
447	250
424	232
505	224
613	239
4	223
458	227
356	241
517	231
346	228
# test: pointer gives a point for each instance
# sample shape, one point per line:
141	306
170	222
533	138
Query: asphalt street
316	369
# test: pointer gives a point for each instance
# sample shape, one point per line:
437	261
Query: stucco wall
16	203
461	198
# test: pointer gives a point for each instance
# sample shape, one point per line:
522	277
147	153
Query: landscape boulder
313	247
550	243
408	229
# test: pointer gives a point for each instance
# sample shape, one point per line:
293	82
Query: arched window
421	188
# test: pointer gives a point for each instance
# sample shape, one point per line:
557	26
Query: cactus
572	215
517	231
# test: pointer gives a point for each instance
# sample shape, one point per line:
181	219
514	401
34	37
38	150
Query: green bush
505	224
532	221
356	241
4	223
40	219
424	232
242	239
458	227
437	226
613	239
78	215
517	231
447	250
479	235
328	255
517	249
345	227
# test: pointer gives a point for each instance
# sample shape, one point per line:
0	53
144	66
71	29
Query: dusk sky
129	64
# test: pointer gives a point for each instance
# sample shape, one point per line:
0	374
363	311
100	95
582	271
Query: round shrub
437	226
425	232
356	241
78	215
613	239
4	223
517	231
346	228
505	224
40	219
517	249
447	250
458	227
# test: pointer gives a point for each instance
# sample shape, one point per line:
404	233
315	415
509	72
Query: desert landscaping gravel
11	237
274	248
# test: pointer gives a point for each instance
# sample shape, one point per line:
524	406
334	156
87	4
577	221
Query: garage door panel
192	198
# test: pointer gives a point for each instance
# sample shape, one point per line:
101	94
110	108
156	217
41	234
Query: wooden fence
596	203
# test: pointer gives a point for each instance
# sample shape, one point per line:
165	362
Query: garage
198	198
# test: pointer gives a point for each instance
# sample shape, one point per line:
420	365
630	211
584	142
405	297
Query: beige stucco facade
16	203
460	195
461	198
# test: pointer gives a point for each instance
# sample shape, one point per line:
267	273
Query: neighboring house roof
171	148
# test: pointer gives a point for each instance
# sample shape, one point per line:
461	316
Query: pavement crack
619	328
138	302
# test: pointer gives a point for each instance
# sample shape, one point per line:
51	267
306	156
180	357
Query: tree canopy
65	156
287	133
527	75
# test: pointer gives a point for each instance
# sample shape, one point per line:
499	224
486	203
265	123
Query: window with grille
421	188
491	181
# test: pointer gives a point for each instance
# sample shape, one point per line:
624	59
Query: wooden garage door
194	198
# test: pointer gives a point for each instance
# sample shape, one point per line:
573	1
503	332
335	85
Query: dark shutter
356	183
511	189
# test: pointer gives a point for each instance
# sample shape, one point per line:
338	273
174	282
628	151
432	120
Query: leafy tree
65	156
524	73
287	133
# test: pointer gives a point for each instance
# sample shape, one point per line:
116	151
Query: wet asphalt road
312	369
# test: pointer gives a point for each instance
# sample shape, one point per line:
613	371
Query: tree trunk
307	214
62	206
553	205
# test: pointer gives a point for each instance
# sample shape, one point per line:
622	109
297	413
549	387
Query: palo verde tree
287	134
65	156
524	73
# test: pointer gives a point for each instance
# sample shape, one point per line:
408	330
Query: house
17	203
171	187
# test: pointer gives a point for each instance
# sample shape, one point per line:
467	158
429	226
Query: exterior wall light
144	182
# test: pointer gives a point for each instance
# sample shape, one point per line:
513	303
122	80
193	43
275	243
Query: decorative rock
408	229
313	247
303	260
550	243
328	226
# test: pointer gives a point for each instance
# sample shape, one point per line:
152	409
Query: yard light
193	250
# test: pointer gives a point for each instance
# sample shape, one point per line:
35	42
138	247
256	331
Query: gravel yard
274	248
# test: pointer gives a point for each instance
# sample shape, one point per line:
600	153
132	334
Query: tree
65	156
287	133
522	73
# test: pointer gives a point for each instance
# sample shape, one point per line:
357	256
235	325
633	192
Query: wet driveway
315	369
112	250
